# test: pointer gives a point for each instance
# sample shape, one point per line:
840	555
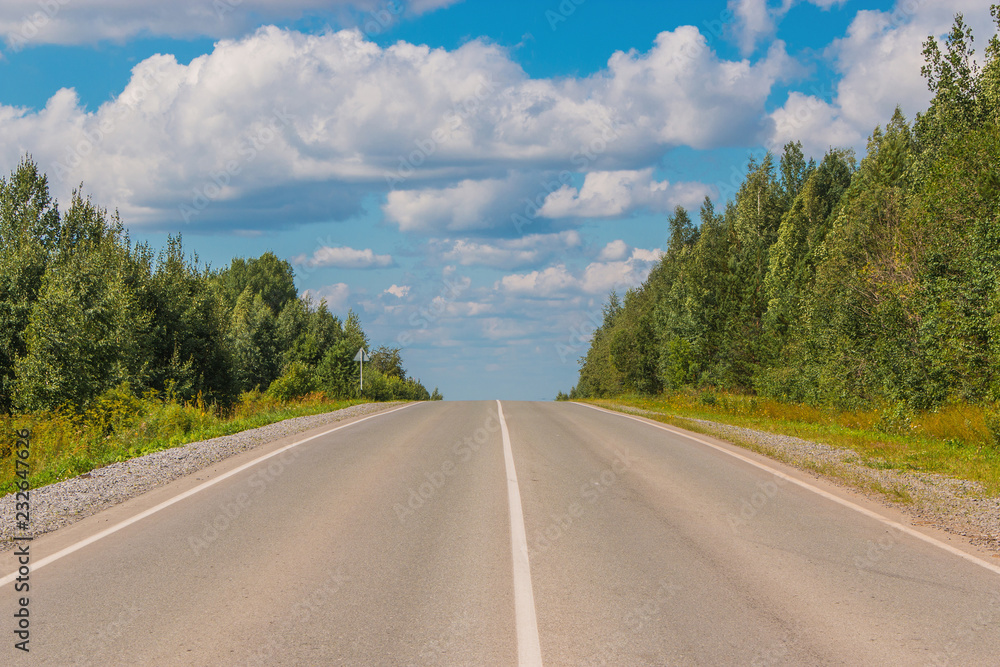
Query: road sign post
361	357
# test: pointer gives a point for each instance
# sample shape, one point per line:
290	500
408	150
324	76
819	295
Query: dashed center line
529	649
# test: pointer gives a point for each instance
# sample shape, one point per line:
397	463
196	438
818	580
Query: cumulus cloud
25	22
608	194
601	277
343	257
398	291
757	20
682	93
615	251
466	206
649	256
879	63
598	278
532	249
336	295
423	6
281	127
546	283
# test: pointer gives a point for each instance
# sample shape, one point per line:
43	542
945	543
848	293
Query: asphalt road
390	542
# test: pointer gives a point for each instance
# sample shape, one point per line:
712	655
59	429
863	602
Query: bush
251	402
379	387
115	409
297	381
895	419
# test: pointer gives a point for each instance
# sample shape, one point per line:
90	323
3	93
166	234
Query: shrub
116	409
708	398
896	418
297	381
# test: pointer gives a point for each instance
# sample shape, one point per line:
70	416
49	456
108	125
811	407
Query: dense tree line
836	282
83	310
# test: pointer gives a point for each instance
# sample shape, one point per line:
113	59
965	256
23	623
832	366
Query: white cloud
551	281
817	124
598	278
754	21
608	194
757	20
879	62
642	255
459	309
615	251
504	329
468	205
423	6
398	291
681	93
336	295
87	21
218	139
344	258
509	253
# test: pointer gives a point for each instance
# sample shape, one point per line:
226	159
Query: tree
271	278
794	172
683	234
26	207
866	279
306	332
29	222
598	375
790	281
83	312
693	304
353	332
957	300
754	220
633	348
253	342
337	371
988	92
188	329
388	361
844	283
86	330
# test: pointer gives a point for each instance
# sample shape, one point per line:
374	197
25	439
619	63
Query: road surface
390	542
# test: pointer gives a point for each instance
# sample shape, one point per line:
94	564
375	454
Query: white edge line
529	648
805	485
190	492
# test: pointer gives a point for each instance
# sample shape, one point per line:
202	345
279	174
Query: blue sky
471	177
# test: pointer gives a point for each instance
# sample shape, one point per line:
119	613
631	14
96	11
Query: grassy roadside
959	440
122	426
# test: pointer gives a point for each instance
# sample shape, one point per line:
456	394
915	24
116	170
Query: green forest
86	314
840	283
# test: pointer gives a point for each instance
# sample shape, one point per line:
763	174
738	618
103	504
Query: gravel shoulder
63	503
954	505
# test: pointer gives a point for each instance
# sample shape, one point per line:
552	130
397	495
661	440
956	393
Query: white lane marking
529	648
187	494
806	485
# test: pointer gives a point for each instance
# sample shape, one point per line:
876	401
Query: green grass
957	440
122	426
